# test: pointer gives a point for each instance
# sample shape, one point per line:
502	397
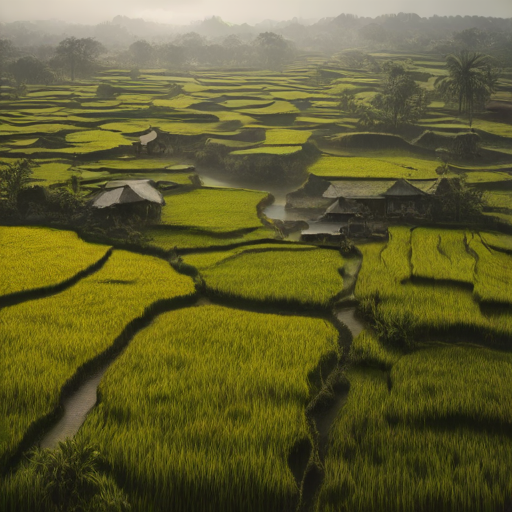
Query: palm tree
470	82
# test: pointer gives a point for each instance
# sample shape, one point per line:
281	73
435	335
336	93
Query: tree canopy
402	100
78	56
470	83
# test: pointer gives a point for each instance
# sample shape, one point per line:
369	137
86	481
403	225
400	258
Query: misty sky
238	11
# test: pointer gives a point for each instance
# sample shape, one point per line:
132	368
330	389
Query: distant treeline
43	52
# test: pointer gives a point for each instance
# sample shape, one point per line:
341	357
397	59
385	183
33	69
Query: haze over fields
243	11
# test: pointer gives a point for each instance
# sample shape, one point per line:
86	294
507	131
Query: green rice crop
493	276
231	143
46	341
167	239
372	464
286	137
307	278
435	380
127	126
269	150
367	350
37	129
216	210
360	167
442	254
205	405
498	241
295	95
395	303
130	164
205	260
494	128
23	142
499	198
501	217
34	257
247	104
278	107
52	172
432	308
96	140
487	177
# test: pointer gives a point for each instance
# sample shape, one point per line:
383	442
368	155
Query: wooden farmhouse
378	199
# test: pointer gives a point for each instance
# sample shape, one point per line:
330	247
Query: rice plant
308	278
45	342
493	277
205	260
214	210
452	383
442	255
363	167
367	350
34	257
373	464
400	309
203	408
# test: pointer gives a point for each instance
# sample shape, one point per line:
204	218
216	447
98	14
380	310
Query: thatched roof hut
128	191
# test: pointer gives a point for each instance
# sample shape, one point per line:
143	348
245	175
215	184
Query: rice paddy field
42	257
215	210
448	302
216	405
308	278
45	342
220	399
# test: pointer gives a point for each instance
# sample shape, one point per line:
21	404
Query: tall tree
470	82
78	55
142	53
402	100
13	178
31	71
273	50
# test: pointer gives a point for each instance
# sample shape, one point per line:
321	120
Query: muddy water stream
76	407
347	316
79	403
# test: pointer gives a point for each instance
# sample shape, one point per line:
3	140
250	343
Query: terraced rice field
42	257
214	210
46	342
361	167
376	464
216	402
211	407
308	278
403	308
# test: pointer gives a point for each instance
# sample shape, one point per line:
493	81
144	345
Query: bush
13	178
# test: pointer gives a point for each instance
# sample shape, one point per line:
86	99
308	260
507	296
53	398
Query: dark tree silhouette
78	55
470	83
273	50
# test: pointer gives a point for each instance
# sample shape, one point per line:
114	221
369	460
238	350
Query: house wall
407	206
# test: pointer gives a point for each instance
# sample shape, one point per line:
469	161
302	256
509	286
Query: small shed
132	196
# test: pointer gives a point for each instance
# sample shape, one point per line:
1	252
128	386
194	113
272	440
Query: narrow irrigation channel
322	411
307	461
76	407
77	404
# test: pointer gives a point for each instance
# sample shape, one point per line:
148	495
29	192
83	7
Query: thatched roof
127	191
345	206
402	188
144	139
367	189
